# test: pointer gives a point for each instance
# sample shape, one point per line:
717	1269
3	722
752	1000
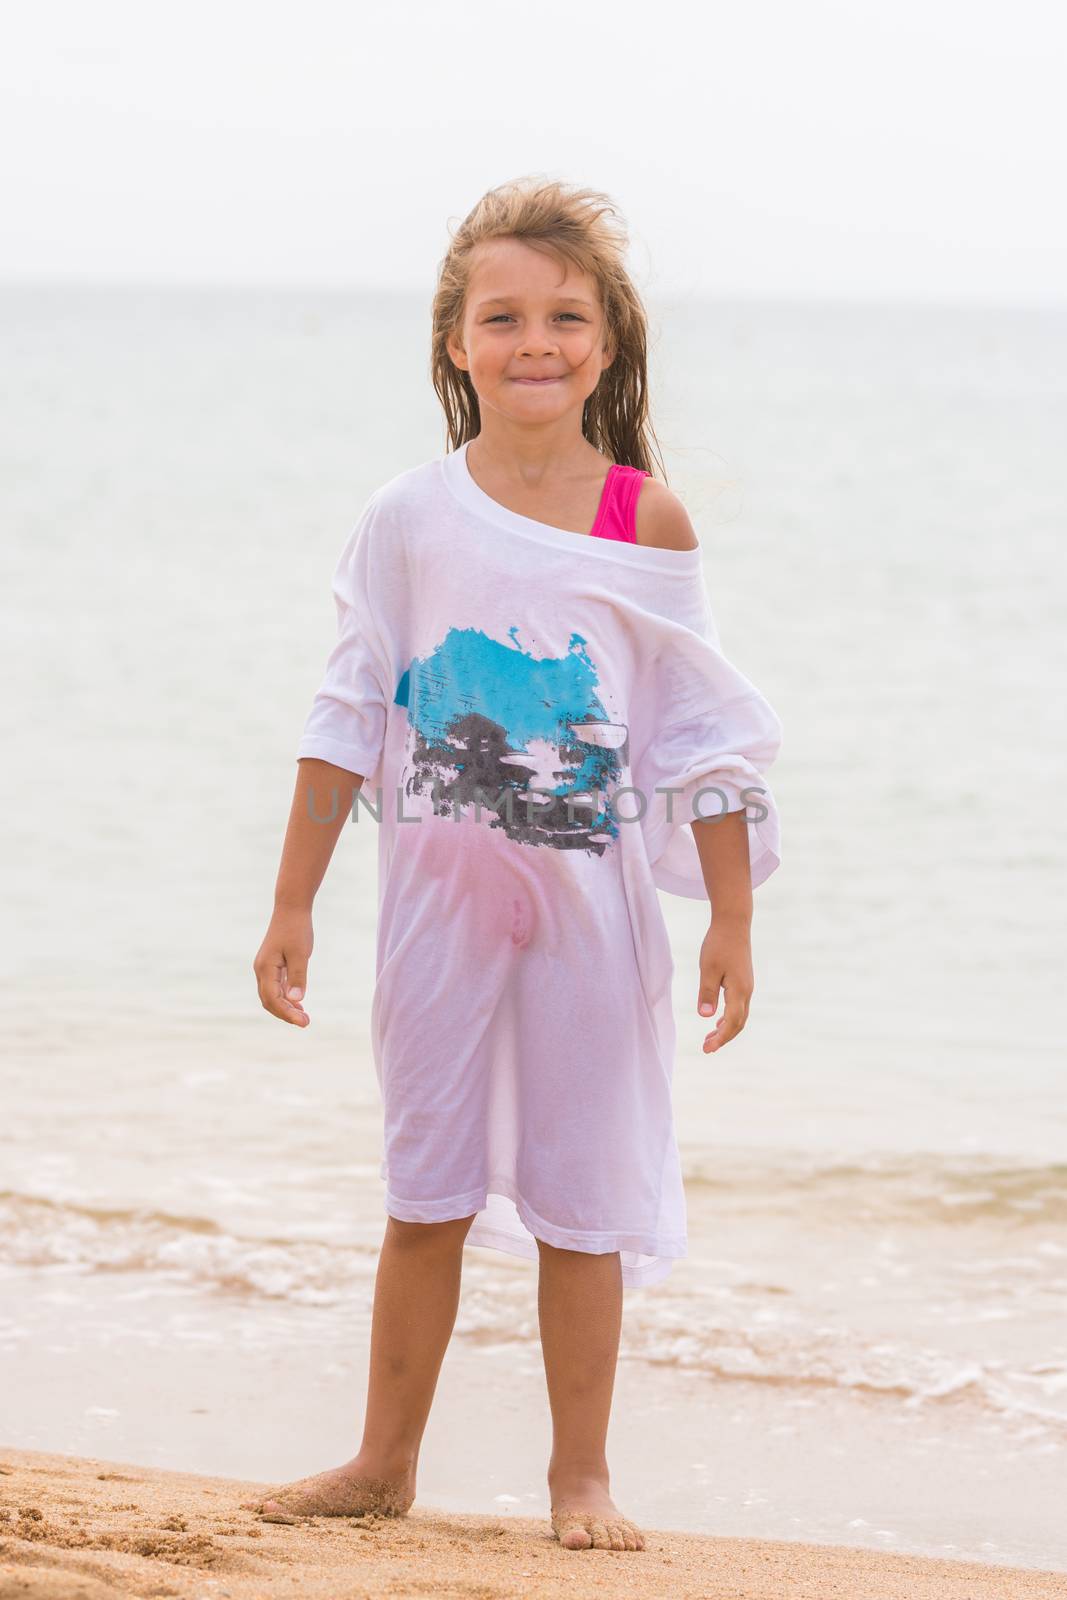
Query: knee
543	1246
429	1234
558	1252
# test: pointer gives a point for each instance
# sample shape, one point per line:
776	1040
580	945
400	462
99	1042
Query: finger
728	1027
291	996
272	987
288	1009
729	1024
296	980
708	996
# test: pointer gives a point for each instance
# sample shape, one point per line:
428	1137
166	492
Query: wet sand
81	1528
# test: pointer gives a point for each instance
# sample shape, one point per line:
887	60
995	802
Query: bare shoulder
662	518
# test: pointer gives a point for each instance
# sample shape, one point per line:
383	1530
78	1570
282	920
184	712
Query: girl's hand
725	963
281	964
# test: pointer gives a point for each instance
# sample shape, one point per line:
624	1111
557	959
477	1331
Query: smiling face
533	336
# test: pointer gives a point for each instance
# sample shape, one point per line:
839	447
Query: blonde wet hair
573	224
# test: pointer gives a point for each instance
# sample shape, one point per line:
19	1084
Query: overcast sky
913	150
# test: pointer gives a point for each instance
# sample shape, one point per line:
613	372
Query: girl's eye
502	314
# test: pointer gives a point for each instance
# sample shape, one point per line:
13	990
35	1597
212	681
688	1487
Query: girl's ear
457	352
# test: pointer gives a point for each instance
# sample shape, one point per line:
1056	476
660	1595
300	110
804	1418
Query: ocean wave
39	1232
922	1188
817	1361
742	1332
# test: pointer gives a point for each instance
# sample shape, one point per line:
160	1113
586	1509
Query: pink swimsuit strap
616	516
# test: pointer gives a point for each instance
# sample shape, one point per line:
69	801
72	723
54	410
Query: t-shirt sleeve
710	740
347	721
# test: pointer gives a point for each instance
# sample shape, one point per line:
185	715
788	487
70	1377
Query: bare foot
348	1491
584	1516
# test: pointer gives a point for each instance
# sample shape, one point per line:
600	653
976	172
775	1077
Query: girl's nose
538	343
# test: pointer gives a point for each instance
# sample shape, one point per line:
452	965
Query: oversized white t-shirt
538	716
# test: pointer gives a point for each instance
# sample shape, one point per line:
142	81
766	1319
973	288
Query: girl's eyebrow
563	299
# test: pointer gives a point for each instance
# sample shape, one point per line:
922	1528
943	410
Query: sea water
867	1343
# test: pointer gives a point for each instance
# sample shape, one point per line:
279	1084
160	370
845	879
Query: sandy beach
81	1528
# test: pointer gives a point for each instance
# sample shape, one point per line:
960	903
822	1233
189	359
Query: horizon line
723	296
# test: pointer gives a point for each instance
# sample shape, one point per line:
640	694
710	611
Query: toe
278	1508
601	1536
572	1532
629	1534
615	1535
260	1502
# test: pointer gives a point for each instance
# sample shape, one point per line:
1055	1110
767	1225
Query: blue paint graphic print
527	737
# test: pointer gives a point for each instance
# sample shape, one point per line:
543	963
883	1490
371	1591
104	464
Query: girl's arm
726	953
322	802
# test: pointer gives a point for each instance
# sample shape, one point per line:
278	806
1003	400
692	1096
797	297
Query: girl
528	695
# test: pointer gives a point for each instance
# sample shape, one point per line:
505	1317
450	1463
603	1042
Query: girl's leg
579	1304
416	1296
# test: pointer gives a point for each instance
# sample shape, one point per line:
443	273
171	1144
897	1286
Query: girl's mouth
537	380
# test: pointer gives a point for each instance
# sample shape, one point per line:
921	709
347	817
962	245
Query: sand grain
70	1529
